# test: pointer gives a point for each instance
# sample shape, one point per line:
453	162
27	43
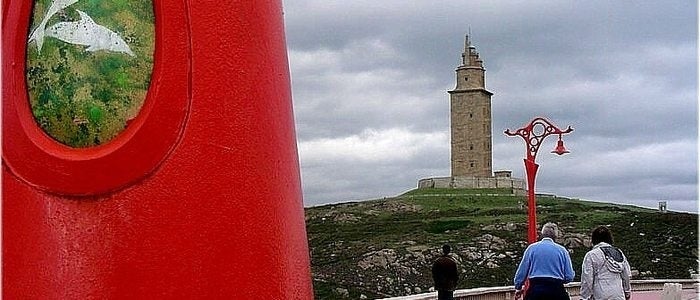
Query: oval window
89	67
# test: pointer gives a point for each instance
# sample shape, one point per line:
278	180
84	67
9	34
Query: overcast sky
370	81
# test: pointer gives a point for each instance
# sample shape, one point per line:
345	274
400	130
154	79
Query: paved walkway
656	295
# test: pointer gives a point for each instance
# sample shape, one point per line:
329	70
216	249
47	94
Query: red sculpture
199	197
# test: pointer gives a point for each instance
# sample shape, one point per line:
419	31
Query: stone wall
471	182
648	289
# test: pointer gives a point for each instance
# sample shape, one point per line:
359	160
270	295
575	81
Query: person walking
546	265
445	274
605	272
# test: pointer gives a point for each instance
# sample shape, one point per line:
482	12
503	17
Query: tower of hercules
471	139
470	118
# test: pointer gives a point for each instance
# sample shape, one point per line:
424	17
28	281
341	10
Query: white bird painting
88	33
82	32
38	34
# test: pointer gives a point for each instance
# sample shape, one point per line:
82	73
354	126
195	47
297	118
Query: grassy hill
385	247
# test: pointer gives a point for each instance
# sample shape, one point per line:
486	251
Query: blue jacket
544	259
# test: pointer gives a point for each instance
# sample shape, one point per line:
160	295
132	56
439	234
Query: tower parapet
470	74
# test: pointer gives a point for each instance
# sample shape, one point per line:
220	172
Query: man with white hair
546	265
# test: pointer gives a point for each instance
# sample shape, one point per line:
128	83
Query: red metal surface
199	198
531	171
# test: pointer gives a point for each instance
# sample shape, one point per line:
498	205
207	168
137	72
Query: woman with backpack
605	273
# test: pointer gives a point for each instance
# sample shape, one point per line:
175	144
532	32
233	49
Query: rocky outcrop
498	227
575	240
377	259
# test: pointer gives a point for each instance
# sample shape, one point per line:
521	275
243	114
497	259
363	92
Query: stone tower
470	117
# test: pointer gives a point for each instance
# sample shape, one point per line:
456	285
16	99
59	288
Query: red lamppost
533	134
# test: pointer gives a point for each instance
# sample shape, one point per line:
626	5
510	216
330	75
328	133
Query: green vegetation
381	248
83	98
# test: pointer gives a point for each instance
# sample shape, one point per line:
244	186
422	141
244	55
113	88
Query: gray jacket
605	277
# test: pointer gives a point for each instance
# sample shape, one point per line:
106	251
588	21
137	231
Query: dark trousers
445	295
543	288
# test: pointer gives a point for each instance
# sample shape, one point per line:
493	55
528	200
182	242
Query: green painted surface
82	98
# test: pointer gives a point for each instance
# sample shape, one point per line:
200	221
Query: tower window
471	115
466	78
471	147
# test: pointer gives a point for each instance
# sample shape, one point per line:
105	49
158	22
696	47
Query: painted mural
89	65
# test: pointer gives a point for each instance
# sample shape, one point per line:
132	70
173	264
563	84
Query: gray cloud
375	73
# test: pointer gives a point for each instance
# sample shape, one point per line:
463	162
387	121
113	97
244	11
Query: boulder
343	293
